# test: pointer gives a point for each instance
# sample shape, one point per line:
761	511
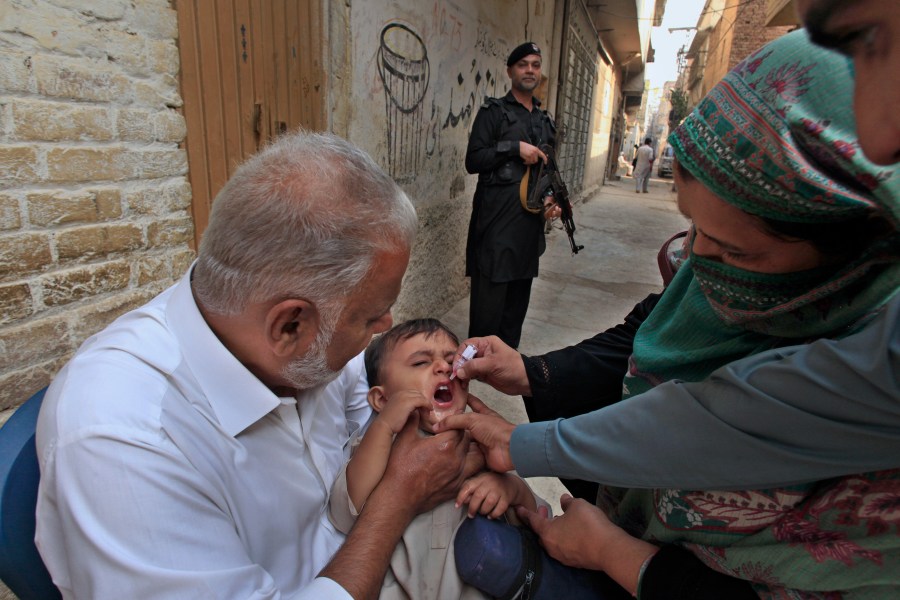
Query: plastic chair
21	567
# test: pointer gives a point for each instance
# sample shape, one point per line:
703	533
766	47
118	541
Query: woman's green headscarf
776	138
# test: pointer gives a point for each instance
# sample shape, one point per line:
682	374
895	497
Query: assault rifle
549	183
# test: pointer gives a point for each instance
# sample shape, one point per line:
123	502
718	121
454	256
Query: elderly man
188	449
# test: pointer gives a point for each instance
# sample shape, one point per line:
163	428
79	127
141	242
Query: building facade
727	32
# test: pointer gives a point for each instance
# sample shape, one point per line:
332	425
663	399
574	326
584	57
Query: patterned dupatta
776	138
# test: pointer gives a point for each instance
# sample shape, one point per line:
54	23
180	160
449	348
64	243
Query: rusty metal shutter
576	94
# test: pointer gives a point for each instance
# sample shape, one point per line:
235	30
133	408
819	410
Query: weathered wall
420	71
94	203
603	113
719	50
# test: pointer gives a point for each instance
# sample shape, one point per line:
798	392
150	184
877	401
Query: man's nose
877	107
879	132
384	323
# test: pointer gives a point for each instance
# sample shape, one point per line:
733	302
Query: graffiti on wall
474	93
404	68
447	25
487	45
405	72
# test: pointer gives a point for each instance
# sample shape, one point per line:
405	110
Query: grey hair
303	218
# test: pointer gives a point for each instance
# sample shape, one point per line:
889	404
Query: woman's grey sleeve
797	414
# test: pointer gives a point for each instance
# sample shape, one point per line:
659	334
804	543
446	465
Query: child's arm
492	493
365	469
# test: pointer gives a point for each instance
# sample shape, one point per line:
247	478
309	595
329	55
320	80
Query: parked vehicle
665	162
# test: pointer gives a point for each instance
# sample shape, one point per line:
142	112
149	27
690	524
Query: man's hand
423	472
551	209
491	431
531	154
496	364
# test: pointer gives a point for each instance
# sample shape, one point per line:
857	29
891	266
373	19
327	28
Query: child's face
423	364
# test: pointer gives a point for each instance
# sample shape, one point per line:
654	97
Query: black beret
521	52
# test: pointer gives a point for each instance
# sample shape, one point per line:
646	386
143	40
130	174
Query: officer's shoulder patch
489	101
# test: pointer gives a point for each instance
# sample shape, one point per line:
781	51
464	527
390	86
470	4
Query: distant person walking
643	166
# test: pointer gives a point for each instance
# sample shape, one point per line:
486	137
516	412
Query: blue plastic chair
21	567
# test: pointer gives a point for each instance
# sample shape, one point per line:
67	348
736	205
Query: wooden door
250	69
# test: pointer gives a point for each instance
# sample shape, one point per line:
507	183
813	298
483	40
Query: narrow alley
577	296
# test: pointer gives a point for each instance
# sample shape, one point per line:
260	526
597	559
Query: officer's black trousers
498	308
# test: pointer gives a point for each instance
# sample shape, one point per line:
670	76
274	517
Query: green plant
679	101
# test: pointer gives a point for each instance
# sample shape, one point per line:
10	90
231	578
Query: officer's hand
551	209
531	154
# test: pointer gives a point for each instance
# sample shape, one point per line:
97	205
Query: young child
409	369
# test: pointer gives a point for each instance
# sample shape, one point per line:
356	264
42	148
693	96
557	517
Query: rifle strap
532	205
523	190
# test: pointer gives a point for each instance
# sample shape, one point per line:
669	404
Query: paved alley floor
577	296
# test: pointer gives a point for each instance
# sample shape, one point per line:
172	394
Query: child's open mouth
443	396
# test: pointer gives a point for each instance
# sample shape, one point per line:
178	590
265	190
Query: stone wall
94	199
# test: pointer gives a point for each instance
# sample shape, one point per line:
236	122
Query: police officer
506	239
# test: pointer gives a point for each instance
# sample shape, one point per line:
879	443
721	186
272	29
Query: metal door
576	94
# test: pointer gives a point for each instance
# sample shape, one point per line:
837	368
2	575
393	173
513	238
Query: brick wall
740	31
94	199
750	31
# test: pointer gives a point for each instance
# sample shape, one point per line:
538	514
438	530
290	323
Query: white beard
311	370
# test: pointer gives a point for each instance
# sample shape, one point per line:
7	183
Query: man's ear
291	327
376	398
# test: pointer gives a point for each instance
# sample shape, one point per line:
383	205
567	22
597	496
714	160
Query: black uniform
505	240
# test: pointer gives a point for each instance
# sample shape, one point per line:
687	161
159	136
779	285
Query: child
409	369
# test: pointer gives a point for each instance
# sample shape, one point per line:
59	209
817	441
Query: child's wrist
521	493
381	423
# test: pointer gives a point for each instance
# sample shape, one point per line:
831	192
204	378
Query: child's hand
397	409
488	493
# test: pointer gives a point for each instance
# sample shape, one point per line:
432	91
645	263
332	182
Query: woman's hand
491	431
496	364
422	472
575	537
584	537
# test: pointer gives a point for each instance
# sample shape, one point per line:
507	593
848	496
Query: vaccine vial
467	354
